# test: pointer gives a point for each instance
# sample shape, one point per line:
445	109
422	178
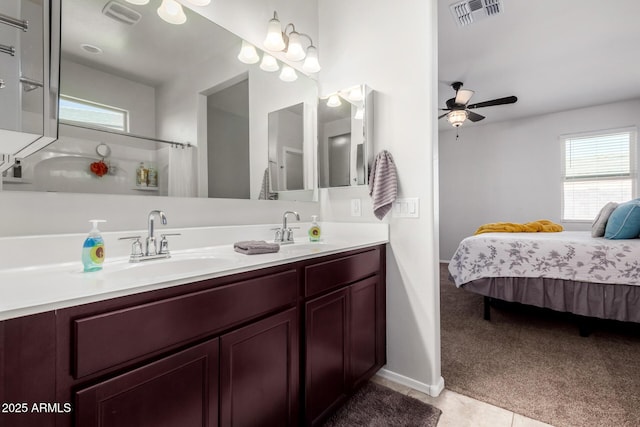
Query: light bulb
311	64
248	53
171	11
288	74
138	2
457	117
274	40
199	2
334	101
269	63
355	94
295	52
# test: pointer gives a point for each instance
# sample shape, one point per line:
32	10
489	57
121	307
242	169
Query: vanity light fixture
248	53
288	74
171	11
269	63
334	101
359	115
457	117
290	42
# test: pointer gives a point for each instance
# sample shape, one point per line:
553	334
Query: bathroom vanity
280	343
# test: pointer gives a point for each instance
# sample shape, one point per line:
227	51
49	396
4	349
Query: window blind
598	168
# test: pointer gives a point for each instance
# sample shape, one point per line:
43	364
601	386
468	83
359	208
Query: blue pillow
624	222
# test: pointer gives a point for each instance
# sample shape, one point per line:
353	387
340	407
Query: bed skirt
605	301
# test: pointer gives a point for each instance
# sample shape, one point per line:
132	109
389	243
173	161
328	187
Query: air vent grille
121	13
469	11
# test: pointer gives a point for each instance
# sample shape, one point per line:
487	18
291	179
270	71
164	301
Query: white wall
510	171
362	42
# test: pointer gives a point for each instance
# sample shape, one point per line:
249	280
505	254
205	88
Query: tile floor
462	411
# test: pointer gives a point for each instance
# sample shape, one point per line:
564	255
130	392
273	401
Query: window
83	112
598	168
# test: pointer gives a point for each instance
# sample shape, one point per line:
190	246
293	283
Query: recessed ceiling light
91	48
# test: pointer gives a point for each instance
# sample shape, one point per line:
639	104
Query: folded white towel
383	183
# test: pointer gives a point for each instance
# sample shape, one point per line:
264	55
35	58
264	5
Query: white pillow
600	223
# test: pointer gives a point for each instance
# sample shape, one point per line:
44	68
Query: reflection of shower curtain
182	174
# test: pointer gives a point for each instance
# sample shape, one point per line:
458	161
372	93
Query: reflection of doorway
339	156
228	142
292	167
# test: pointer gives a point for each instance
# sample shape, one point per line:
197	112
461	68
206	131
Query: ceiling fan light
248	53
295	51
269	63
457	117
171	11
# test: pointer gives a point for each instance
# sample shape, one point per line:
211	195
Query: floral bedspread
571	255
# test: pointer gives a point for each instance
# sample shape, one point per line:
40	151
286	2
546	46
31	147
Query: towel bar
9	50
14	22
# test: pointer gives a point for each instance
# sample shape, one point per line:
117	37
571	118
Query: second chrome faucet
284	235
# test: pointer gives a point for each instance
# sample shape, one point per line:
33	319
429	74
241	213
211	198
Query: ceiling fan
458	107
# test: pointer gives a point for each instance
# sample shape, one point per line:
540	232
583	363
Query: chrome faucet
151	247
284	235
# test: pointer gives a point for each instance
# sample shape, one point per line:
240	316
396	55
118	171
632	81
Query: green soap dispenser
314	230
93	248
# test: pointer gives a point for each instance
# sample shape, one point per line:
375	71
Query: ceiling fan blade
463	96
451	102
474	117
499	101
442	116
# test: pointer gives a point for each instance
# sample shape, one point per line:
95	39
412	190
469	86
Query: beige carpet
533	362
377	406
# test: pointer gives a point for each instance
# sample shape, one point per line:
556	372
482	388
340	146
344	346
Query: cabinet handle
9	50
14	22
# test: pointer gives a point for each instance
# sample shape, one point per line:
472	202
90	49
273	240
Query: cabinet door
327	337
177	391
365	339
259	373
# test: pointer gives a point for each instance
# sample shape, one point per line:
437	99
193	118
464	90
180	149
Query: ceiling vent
121	13
469	11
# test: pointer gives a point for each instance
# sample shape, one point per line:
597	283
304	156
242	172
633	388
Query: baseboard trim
433	390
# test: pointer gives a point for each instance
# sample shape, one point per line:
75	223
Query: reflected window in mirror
345	137
83	112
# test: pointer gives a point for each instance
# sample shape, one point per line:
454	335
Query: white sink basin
167	267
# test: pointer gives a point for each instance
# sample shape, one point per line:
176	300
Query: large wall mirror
152	108
345	137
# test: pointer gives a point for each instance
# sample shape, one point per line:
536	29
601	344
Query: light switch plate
406	208
356	207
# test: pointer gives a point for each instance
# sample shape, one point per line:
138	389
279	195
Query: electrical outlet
356	207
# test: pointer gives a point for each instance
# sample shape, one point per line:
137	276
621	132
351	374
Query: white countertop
32	282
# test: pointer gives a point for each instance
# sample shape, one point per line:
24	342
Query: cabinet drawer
332	274
110	339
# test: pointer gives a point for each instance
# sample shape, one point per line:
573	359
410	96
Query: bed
567	271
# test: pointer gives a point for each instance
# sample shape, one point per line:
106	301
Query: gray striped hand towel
383	183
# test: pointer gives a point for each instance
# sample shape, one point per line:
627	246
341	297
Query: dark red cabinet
259	373
345	341
180	390
280	346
